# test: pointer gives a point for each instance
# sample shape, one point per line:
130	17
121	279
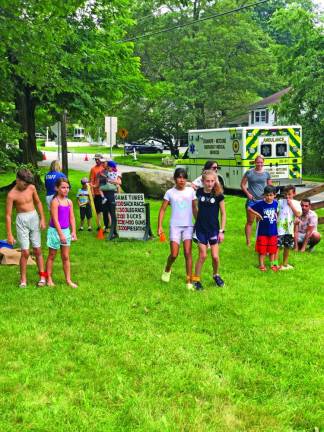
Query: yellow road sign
123	133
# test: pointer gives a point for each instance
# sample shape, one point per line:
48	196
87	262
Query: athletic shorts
250	203
98	203
28	231
49	200
53	239
286	241
207	238
178	232
85	212
266	245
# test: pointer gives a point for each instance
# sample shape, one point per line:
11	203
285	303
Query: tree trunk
25	109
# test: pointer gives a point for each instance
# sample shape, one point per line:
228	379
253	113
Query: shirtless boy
24	198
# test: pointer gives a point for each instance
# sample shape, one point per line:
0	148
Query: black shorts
207	238
85	212
286	241
98	203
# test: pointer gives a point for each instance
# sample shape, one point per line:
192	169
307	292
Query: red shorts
266	245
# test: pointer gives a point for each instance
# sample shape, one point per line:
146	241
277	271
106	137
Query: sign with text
131	217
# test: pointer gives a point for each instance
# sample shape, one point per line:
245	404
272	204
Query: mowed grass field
125	352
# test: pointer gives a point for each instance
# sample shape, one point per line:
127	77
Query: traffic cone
44	156
100	235
86	158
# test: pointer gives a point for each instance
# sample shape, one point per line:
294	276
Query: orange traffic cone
100	235
44	156
86	158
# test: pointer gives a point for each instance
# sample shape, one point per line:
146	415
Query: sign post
111	130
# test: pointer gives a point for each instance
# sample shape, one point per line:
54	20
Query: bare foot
50	282
72	284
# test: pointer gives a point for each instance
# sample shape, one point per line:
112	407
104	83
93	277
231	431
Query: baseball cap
98	156
112	164
84	180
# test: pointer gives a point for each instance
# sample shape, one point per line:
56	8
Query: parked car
39	135
148	147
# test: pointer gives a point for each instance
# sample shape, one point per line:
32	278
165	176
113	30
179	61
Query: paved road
77	162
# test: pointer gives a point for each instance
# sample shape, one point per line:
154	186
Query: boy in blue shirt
267	234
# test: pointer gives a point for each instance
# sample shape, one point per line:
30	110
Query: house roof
270	100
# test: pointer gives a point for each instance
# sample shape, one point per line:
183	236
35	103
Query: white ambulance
235	151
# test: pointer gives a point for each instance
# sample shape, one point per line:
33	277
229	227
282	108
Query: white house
260	113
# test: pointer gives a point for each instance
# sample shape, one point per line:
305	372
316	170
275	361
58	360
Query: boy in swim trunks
23	196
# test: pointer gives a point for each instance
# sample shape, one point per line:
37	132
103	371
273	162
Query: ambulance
236	149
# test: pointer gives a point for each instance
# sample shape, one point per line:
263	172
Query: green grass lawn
125	352
142	160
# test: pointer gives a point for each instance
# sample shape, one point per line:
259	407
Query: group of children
208	230
275	225
60	232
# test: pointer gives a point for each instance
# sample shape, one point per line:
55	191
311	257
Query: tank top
63	216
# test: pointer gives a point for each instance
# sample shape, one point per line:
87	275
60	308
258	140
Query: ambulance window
281	149
265	150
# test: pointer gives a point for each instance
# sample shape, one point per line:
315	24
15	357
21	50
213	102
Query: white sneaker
286	267
190	287
166	276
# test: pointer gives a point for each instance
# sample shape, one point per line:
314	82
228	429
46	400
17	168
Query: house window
261	116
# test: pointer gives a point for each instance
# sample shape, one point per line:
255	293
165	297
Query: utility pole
65	167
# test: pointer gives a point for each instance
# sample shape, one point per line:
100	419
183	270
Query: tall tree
301	63
64	55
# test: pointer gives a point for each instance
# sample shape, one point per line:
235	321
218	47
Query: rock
151	184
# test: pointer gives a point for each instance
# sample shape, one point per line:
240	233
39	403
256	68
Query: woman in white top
209	165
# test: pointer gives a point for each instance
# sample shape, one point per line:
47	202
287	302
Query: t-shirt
311	219
50	180
268	225
208	211
198	182
83	197
257	182
181	205
286	216
95	170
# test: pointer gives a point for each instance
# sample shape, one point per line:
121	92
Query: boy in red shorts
266	214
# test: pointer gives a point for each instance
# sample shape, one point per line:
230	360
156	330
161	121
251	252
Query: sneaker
104	200
311	249
190	286
198	287
286	267
274	268
166	276
218	280
81	229
89	228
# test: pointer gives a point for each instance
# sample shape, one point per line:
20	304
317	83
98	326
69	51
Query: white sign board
111	130
130	213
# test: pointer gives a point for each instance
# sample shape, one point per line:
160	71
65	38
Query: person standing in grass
265	212
183	208
208	230
84	204
288	210
59	235
24	198
253	184
51	178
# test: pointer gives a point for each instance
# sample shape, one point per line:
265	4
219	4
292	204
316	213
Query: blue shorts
207	238
53	239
